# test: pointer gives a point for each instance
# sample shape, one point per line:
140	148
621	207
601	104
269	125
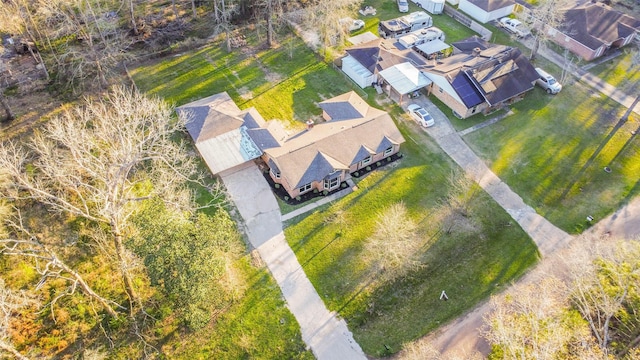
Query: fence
468	22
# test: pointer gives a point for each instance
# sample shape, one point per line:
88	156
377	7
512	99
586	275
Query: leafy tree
189	257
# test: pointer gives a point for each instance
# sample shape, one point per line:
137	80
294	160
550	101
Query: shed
357	72
432	6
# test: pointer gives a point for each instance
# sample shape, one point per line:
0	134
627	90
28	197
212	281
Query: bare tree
101	161
635	63
544	18
223	11
394	246
10	302
273	13
9	115
324	16
603	280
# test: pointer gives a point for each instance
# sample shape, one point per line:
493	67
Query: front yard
470	259
553	150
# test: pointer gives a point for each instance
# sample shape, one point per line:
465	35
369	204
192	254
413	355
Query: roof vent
476	51
309	124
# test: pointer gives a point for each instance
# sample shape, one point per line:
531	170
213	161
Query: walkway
327	199
546	235
326	335
462	336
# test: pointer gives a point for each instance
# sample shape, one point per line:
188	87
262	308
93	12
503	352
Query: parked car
547	82
351	24
514	26
403	5
420	115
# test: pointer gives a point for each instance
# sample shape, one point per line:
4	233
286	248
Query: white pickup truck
515	26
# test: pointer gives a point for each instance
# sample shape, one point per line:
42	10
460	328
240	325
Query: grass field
621	71
553	150
468	264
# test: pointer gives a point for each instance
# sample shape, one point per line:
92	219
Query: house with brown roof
480	77
486	10
590	30
353	136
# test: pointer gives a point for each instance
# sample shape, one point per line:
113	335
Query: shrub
368	168
286	198
325	192
277	186
298	198
315	191
356	174
389	159
378	163
344	185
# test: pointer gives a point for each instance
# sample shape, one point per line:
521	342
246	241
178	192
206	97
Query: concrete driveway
327	336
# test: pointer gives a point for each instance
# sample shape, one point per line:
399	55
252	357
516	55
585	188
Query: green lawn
552	152
469	265
284	83
259	326
620	72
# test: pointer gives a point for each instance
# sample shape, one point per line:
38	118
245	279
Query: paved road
326	335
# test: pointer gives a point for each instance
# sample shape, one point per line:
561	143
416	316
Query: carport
402	79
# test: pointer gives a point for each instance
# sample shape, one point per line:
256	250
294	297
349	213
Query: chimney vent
309	124
476	51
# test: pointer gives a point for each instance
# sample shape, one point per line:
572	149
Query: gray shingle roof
594	25
312	154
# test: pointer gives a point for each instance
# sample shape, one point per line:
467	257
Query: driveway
327	336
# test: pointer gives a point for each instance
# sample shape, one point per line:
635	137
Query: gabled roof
346	106
491	5
486	73
594	25
314	153
221	131
211	116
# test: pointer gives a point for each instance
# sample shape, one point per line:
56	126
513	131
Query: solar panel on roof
467	92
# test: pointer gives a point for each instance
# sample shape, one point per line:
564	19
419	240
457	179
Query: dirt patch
245	93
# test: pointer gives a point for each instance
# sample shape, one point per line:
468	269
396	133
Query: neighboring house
480	77
368	63
486	10
354	136
321	157
590	30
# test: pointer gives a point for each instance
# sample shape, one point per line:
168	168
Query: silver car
420	115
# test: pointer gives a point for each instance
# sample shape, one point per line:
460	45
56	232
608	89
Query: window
473	110
388	150
331	183
366	160
305	188
440	90
276	173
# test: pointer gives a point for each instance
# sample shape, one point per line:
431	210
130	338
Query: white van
403	6
547	82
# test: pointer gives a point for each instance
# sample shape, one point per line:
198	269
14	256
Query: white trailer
432	6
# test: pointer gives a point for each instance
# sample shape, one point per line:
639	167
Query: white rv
405	24
421	36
